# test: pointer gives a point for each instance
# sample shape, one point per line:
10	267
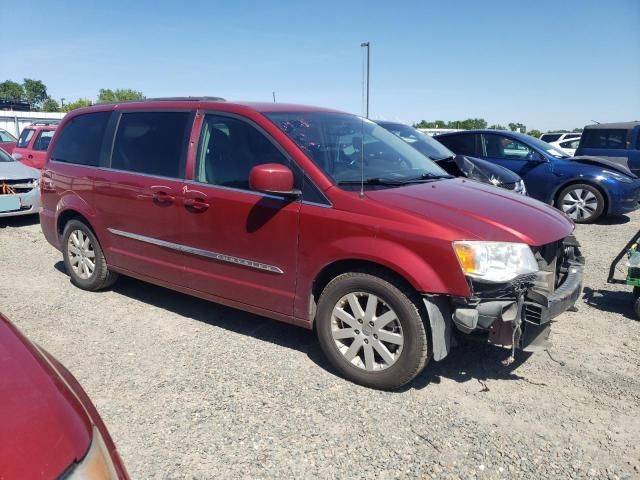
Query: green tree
518	127
80	103
50	105
107	95
497	126
577	130
35	92
11	91
535	133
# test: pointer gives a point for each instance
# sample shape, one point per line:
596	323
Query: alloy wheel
366	331
81	254
579	204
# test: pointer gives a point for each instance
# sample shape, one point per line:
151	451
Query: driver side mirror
273	178
536	157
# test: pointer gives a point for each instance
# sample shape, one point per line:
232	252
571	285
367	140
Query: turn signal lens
466	256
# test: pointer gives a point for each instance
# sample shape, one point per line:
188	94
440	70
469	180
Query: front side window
153	143
343	146
25	137
229	148
604	138
6	137
570	144
80	140
43	140
498	146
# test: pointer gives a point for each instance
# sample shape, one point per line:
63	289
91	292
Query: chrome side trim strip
197	251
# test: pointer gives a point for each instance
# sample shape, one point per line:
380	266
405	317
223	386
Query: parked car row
584	187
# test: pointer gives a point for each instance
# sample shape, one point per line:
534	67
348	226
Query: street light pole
368	45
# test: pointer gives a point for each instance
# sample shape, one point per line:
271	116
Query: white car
19	187
566	141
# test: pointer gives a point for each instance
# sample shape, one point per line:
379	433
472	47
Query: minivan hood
478	211
617	166
17	171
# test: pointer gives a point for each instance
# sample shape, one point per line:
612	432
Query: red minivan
310	216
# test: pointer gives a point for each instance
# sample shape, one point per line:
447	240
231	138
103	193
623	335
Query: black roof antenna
367	45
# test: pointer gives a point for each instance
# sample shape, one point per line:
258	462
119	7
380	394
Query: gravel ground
190	389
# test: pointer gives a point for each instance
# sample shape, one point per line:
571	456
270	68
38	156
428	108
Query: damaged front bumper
517	314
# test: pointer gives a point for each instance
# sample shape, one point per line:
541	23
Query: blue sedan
585	188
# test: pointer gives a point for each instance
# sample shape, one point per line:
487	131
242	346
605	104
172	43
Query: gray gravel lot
190	389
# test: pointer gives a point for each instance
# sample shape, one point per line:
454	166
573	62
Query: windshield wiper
425	177
371	181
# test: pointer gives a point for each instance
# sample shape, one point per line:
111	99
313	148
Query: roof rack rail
167	99
40	124
173	99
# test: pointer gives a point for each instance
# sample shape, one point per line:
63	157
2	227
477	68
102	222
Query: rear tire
372	330
584	203
83	258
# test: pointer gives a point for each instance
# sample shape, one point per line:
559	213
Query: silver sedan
19	187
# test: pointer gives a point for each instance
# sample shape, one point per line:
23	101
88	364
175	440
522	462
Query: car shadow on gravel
231	319
473	361
611	301
17	222
614	220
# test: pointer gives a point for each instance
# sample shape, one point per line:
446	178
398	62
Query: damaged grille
13	187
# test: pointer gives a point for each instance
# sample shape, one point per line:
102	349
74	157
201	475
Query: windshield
339	143
420	141
5	157
6	137
550	149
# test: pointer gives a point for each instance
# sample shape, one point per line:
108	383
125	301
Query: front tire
584	203
83	258
372	330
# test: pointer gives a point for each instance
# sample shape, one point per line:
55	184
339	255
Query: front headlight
520	188
495	262
96	464
618	176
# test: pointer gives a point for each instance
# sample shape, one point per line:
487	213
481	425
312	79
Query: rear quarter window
604	138
460	144
80	139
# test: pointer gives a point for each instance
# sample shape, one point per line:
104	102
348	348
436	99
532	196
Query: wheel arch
584	181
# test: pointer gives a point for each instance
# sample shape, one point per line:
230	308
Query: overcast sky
547	64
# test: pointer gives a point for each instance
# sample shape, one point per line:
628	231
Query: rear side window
460	144
553	137
25	137
43	140
80	140
604	138
153	143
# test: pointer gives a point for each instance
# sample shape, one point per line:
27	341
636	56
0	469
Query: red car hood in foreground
43	427
473	207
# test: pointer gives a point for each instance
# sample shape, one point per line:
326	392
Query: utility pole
274	96
368	46
62	101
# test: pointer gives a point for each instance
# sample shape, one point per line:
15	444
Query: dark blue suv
585	188
619	142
